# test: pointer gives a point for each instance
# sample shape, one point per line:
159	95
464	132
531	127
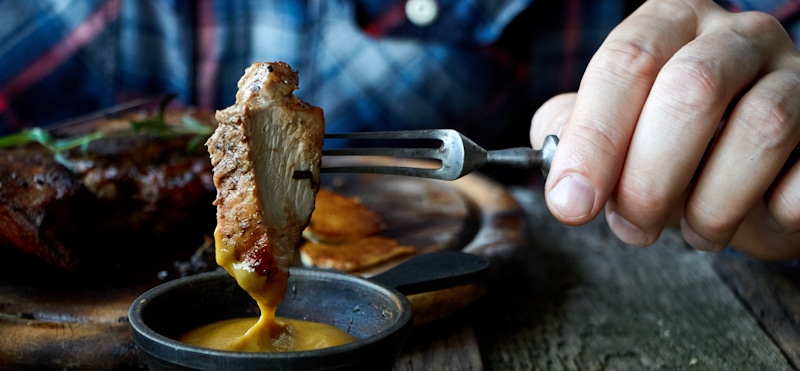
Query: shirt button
422	12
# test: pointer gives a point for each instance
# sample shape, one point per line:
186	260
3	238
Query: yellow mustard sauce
266	333
244	335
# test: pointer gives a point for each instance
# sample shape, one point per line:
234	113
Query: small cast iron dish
374	310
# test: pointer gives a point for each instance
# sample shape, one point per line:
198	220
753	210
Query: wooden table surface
576	298
579	299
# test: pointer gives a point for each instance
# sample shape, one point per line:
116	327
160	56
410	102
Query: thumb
551	117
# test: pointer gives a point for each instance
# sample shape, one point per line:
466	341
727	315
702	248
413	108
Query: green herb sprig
156	126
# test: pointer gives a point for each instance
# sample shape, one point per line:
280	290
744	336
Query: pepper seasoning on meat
262	141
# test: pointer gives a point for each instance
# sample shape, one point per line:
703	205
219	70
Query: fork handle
524	157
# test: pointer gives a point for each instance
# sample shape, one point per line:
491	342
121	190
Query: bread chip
353	255
337	218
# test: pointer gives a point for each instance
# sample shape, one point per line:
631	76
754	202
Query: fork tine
431	153
399	134
387	170
448	151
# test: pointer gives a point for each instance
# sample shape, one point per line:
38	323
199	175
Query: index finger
615	86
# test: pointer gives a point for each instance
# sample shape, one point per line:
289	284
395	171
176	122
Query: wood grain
428	350
578	299
587	301
771	295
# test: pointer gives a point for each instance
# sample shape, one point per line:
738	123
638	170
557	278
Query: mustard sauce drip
267	333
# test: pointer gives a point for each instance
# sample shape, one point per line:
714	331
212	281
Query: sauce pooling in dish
245	335
262	143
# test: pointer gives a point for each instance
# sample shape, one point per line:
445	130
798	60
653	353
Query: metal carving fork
457	154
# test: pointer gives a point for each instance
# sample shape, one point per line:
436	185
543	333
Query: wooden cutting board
55	321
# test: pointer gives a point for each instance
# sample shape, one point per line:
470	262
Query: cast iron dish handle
434	271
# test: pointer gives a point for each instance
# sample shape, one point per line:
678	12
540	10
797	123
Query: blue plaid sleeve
480	66
41	46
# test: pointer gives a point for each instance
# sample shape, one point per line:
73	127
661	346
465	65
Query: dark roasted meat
121	196
36	198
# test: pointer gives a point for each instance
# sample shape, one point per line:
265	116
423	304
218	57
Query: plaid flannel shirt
482	66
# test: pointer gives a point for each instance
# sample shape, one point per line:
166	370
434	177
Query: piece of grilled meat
120	197
261	143
37	196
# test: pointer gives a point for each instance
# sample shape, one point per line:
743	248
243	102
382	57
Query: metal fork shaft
525	158
520	157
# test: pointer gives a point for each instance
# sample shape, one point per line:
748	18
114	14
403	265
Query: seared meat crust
121	196
262	206
36	196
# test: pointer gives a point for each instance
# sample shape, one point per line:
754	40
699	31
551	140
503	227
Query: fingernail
696	241
626	231
572	198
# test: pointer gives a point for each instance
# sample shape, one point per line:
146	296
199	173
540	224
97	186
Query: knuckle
640	194
789	219
691	84
710	222
783	206
627	59
595	145
755	23
771	122
764	31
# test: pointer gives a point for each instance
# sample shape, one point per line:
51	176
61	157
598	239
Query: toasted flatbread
337	218
353	255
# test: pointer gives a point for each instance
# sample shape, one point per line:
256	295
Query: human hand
643	137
